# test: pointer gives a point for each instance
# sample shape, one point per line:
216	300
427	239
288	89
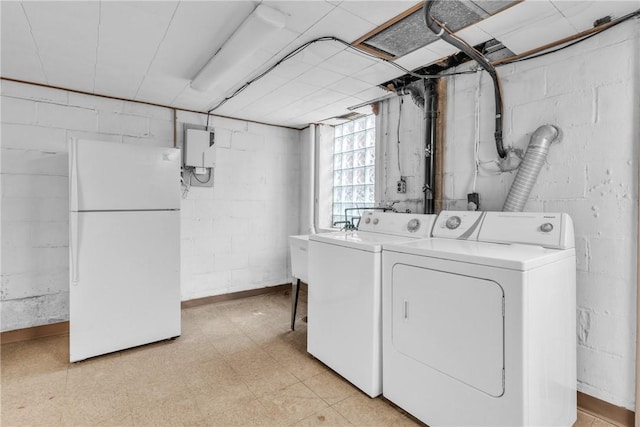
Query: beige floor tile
233	344
252	364
218	372
245	413
361	410
271	383
174	412
32	412
44	355
292	404
325	417
330	387
597	422
87	407
236	363
583	420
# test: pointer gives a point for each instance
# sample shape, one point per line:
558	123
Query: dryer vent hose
530	167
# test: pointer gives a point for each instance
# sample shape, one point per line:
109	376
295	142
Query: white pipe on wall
312	180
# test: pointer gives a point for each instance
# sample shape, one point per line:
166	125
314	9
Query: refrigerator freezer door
114	176
127	280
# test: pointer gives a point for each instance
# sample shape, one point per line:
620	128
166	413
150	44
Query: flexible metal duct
443	32
530	167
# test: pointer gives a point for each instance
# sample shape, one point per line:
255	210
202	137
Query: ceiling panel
253	93
378	73
65	33
348	61
342	24
529	36
301	14
18	51
171	88
319	77
515	17
377	12
129	37
317	53
418	58
197	31
582	14
349	86
152	50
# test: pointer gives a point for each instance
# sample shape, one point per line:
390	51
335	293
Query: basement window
354	155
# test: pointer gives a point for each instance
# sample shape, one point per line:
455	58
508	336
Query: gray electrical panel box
199	151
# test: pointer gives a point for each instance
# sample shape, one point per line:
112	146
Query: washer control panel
414	225
458	225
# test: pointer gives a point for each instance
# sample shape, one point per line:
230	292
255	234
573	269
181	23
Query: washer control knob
413	225
367	220
375	220
453	222
546	227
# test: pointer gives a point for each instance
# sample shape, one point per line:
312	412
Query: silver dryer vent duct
530	167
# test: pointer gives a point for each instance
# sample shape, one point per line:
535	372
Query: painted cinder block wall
591	92
234	235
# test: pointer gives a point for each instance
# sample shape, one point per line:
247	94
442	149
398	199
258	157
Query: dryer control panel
403	224
546	229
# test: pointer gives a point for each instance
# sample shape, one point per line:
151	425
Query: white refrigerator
124	246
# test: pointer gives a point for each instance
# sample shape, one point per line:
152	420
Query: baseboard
60	328
235	295
34	332
606	411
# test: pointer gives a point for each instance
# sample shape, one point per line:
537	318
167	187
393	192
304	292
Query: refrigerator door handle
73	247
73	175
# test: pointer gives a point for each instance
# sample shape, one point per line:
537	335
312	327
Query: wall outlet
402	185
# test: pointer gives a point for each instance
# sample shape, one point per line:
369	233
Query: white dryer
479	321
344	328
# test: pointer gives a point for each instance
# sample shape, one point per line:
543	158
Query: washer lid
510	256
361	240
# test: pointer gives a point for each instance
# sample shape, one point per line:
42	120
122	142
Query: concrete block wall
233	235
400	153
592	93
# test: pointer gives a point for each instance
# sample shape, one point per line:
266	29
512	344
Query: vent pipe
530	167
441	31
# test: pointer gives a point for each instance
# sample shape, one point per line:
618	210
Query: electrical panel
199	151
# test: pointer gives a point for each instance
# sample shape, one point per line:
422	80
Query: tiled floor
236	364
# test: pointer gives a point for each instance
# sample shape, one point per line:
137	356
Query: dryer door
451	323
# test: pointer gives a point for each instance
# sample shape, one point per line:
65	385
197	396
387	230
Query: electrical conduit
441	31
530	167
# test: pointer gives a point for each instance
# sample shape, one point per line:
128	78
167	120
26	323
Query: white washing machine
344	328
479	321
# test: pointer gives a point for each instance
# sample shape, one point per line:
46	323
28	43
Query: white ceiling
150	50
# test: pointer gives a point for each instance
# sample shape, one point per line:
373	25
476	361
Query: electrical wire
195	175
302	47
476	139
586	37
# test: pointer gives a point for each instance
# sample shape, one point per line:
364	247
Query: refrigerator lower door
125	280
